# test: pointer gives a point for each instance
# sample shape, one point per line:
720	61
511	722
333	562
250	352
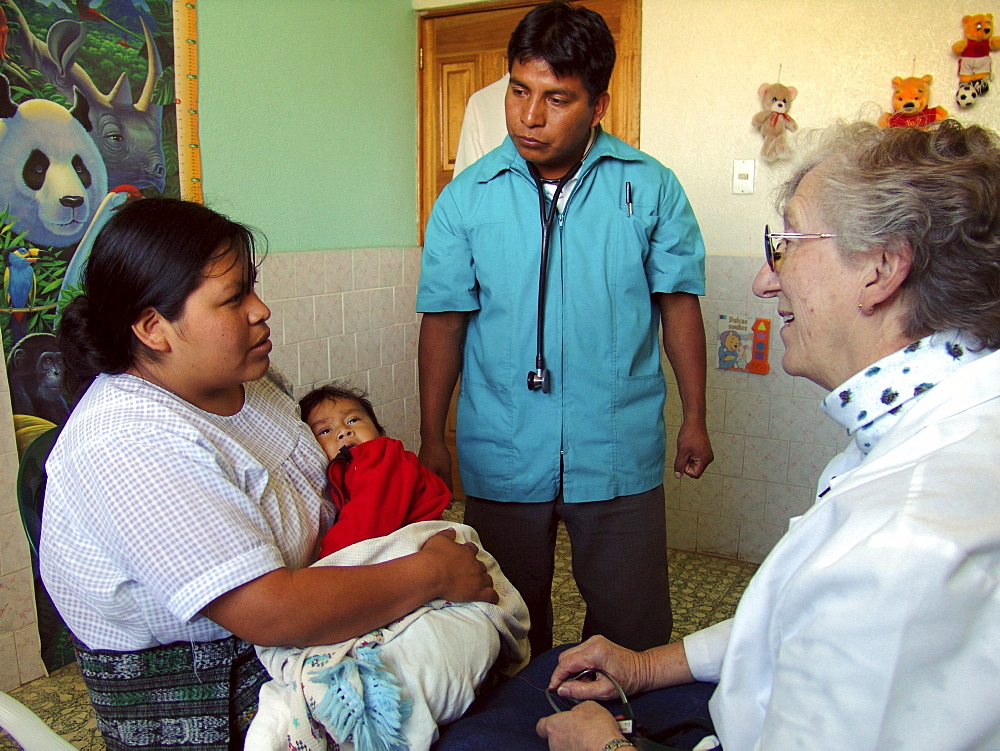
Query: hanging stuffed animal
909	105
773	121
975	66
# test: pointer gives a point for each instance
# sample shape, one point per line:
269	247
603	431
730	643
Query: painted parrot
19	280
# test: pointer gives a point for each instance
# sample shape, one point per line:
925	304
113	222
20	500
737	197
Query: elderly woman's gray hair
936	191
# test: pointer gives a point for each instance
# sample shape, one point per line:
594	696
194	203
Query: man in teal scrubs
625	254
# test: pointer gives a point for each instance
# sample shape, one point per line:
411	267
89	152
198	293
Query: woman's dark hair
151	254
572	41
332	392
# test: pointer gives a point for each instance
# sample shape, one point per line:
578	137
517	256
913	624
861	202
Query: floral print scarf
870	403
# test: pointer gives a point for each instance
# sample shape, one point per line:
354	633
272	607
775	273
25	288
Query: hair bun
87	347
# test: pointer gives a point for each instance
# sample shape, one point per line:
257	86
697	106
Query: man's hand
694	450
587	727
437	458
460	575
684	345
439	361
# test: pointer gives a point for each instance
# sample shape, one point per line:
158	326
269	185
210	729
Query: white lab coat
484	124
875	621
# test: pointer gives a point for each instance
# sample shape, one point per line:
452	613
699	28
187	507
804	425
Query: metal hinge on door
420	59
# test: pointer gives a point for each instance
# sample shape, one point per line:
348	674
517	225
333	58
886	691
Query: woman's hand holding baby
460	576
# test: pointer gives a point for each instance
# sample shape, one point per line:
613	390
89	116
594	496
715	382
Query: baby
376	485
391	688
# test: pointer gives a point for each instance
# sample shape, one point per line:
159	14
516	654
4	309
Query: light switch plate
743	176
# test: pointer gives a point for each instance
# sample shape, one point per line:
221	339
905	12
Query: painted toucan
19	280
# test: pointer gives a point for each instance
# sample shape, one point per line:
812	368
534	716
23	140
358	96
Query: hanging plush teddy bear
909	105
773	120
975	66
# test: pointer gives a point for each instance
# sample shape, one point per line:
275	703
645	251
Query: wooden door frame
632	61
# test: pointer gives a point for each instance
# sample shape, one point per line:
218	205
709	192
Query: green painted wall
308	119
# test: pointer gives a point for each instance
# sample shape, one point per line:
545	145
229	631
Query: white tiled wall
348	315
769	436
20	660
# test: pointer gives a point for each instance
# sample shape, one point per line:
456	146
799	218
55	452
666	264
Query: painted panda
52	177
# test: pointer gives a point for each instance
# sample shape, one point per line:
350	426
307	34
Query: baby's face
340	422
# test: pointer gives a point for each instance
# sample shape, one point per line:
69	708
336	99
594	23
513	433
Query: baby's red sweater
377	488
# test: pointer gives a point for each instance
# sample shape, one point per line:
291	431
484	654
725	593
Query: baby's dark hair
333	391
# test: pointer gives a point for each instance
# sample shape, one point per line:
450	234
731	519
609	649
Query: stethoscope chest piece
539	379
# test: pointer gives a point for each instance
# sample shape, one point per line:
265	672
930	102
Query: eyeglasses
775	252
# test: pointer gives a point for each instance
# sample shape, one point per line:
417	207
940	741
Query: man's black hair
572	41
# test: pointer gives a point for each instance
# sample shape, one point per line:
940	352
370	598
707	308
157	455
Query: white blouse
154	508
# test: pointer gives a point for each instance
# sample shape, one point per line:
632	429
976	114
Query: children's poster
93	101
744	344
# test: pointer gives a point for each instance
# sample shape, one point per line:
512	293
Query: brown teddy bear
975	65
773	121
909	104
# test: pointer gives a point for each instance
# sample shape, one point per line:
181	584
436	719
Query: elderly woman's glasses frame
775	252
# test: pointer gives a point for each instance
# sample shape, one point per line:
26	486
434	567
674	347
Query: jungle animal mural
75	144
128	134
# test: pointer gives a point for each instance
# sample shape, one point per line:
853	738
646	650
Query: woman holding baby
183	504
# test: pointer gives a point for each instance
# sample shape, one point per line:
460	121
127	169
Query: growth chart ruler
186	93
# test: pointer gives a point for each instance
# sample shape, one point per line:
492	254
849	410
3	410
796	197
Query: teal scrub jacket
603	418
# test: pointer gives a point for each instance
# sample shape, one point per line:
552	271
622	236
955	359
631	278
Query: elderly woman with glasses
875	621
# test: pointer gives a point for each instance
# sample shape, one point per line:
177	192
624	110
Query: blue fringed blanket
389	690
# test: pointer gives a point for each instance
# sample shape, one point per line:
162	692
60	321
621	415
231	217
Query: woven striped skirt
200	695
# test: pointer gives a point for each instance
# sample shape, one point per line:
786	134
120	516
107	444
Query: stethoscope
539	377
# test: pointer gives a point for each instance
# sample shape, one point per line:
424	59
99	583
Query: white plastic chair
27	728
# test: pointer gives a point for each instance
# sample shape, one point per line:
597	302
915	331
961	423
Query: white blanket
438	656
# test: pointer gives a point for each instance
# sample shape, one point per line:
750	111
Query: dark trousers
619	562
506	719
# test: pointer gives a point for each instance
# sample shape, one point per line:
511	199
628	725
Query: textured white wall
703	61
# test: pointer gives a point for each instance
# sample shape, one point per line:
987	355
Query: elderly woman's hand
587	727
629	668
459	575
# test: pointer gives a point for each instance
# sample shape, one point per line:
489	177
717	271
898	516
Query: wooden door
464	48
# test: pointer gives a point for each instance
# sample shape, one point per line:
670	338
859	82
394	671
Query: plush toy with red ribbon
773	121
